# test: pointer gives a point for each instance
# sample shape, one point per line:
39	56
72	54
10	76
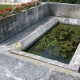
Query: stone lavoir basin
46	35
58	44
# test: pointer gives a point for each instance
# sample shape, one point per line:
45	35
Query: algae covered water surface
58	44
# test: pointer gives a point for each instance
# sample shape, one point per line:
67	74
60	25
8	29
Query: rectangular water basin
58	44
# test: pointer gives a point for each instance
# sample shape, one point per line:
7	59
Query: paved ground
61	76
14	69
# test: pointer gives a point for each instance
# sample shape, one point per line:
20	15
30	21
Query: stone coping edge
46	60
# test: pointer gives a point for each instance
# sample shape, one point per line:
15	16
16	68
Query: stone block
13	18
14	25
73	21
8	20
29	12
30	39
20	16
1	30
65	10
3	22
78	22
66	20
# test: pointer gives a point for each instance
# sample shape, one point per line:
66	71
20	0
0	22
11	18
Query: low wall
70	21
65	10
15	23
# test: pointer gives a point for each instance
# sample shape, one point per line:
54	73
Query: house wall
15	0
6	0
23	0
1	0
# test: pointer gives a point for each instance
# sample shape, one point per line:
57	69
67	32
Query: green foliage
64	37
6	10
66	1
5	6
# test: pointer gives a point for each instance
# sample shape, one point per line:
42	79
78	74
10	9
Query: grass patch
5	6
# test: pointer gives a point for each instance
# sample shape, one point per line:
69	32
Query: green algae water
58	44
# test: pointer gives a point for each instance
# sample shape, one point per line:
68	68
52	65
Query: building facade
15	0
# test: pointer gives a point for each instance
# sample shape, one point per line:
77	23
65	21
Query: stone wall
15	23
65	10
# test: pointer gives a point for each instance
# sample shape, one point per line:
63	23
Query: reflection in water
59	43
